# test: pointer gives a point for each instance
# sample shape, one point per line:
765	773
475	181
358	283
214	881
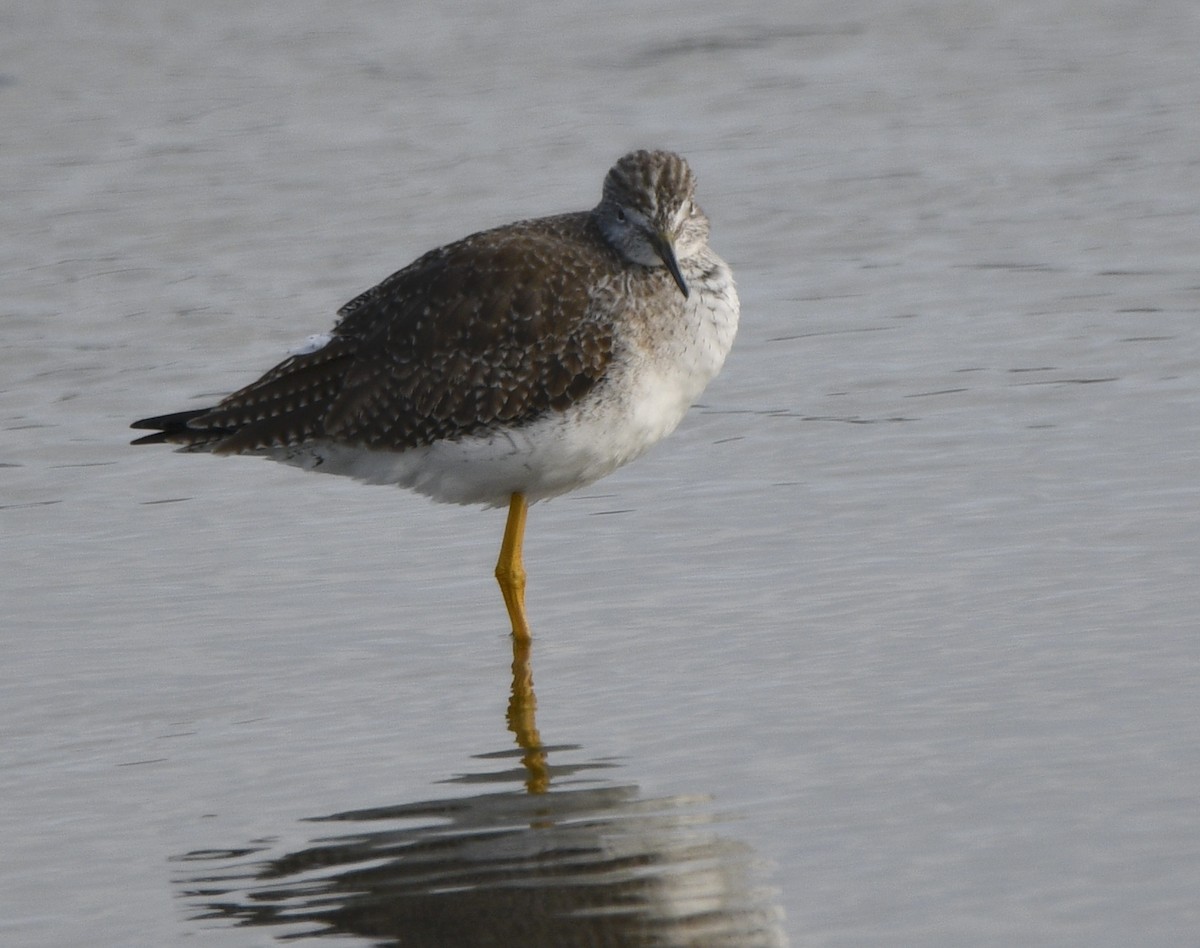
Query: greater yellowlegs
511	366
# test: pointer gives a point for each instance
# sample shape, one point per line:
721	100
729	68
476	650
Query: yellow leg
510	569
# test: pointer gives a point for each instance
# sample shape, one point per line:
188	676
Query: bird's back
493	330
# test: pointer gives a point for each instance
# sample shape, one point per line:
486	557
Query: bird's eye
621	214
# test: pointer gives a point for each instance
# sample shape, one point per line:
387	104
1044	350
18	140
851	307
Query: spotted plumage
470	337
531	358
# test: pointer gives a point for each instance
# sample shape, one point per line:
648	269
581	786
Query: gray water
894	642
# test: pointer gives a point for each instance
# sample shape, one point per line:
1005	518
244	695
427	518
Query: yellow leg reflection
522	719
510	568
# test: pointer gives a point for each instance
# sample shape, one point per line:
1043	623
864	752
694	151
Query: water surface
896	636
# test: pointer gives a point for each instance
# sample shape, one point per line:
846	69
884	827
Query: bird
505	368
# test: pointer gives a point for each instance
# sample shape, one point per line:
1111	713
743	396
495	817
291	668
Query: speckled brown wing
287	406
496	329
493	330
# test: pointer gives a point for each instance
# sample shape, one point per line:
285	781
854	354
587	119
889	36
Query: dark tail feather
174	429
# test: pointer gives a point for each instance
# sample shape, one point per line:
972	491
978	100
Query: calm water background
907	610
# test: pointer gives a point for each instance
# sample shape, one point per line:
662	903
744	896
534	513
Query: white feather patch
312	344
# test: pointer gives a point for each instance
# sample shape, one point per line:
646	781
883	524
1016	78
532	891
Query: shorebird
508	367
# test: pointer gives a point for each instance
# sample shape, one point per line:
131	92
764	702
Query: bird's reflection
522	718
579	863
